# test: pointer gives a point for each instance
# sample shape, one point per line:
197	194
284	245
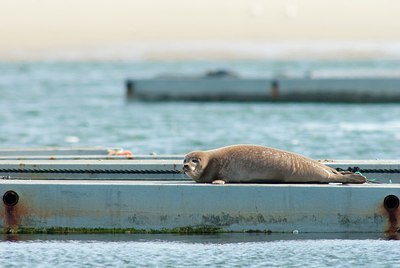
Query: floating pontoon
224	86
143	194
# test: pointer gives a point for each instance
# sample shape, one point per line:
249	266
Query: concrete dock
152	195
341	90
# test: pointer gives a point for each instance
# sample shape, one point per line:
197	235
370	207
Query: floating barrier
228	88
185	206
152	195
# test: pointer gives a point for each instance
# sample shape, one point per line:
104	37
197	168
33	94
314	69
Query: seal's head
194	164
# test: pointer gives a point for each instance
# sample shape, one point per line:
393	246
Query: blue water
83	104
224	250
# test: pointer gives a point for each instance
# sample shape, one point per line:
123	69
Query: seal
259	164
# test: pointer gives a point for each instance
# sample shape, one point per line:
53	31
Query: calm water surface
83	104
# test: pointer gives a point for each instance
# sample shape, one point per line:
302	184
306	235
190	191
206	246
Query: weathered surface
168	205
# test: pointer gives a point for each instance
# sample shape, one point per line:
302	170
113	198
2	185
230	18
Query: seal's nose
185	167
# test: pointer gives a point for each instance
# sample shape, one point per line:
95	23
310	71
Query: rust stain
13	216
392	212
275	90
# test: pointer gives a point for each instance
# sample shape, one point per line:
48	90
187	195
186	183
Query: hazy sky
50	24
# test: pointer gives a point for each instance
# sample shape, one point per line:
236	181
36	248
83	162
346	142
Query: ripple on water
276	253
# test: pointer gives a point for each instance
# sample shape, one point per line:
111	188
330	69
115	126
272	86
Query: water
224	250
83	104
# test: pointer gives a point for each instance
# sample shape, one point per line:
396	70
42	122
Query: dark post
130	88
274	90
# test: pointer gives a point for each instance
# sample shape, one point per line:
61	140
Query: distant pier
236	89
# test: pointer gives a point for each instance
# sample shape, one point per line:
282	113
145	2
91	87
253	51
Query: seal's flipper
352	178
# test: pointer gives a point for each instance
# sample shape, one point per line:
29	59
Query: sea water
222	250
84	104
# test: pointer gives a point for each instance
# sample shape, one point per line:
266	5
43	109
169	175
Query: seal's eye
195	160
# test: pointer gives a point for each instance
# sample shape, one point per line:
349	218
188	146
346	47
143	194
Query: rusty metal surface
164	205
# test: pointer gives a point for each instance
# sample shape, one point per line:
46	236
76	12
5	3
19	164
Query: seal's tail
349	177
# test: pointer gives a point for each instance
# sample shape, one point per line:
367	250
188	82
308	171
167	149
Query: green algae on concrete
67	230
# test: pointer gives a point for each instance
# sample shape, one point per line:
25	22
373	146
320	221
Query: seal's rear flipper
352	178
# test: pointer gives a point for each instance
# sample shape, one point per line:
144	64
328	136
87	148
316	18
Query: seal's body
253	163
